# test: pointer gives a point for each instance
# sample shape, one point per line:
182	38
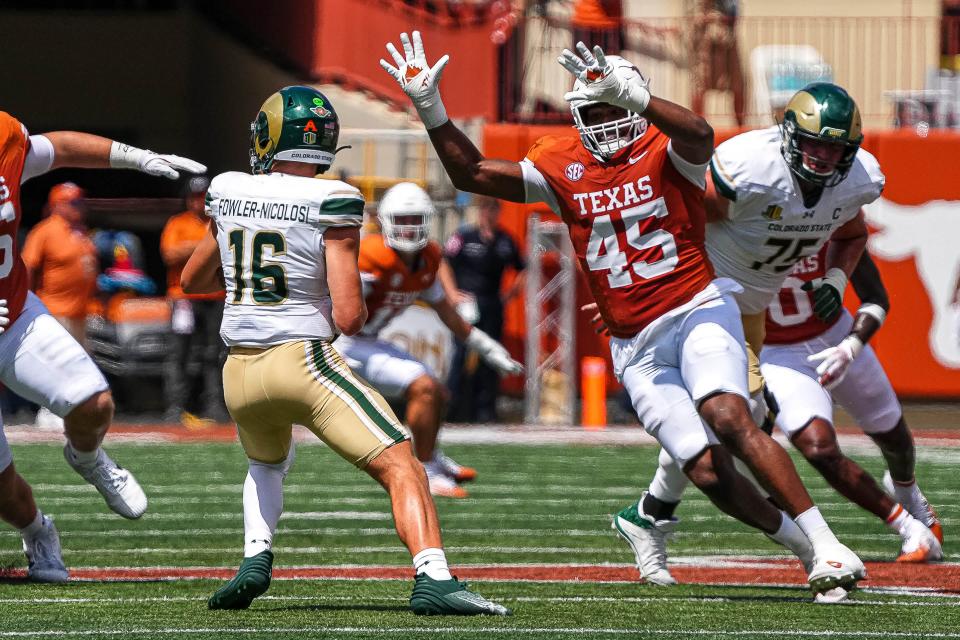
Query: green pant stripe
369	408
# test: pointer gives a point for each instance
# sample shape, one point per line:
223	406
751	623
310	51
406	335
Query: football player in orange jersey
631	193
39	359
399	266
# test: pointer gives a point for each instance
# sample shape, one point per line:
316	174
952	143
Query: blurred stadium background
186	77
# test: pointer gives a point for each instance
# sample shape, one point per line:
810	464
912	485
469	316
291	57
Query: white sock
262	505
433	562
30	531
899	519
815	527
84	458
669	481
907	492
791	536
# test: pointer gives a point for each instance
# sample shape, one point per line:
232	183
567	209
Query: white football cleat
919	544
441	484
44	558
835	566
452	468
117	485
916	505
648	539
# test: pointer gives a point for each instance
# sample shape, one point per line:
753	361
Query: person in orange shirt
599	22
62	260
196	317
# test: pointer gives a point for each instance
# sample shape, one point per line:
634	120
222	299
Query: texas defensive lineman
808	363
631	194
287	247
39	359
398	267
776	196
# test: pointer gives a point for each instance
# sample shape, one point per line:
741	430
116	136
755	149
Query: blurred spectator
195	319
479	254
121	257
950	36
598	22
62	260
62	265
717	58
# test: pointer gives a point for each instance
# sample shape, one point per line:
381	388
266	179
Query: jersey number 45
603	237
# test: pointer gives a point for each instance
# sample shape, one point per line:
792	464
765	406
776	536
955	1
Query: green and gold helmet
821	115
296	123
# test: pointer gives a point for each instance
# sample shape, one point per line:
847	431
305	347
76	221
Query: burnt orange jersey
13	273
636	224
390	286
790	317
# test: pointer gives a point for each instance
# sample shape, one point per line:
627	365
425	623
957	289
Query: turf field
535	535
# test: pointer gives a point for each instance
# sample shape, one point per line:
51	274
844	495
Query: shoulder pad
552	144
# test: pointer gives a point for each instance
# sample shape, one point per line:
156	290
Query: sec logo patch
574	171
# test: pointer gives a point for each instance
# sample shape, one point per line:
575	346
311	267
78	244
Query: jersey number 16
267	281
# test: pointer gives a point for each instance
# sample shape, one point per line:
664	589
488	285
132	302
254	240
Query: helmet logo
574	171
833	133
309	138
319	109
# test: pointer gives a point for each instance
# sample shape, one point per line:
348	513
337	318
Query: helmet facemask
805	165
605	139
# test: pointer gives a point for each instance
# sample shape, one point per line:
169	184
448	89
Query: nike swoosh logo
637	158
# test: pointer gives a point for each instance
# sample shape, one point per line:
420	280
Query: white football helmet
406	215
605	139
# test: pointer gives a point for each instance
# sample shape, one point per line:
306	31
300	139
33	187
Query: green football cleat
450	598
252	580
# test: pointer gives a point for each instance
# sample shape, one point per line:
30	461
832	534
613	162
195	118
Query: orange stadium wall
915	241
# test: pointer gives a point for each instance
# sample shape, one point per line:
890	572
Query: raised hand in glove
418	79
601	81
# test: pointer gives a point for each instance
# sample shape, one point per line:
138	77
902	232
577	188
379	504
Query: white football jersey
270	231
769	229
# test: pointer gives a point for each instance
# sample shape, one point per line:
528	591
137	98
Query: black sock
658	509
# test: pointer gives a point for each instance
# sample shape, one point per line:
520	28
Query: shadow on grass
338	607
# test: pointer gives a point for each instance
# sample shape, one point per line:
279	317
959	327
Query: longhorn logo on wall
926	233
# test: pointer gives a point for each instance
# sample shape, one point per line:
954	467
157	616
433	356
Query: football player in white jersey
285	245
776	196
39	359
807	363
399	266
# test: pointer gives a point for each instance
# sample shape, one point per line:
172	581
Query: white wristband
836	278
123	156
875	311
433	115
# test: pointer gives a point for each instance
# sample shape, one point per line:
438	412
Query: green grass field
531	505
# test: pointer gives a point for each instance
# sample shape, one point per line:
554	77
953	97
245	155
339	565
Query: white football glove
418	79
835	361
4	316
602	84
492	352
123	156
